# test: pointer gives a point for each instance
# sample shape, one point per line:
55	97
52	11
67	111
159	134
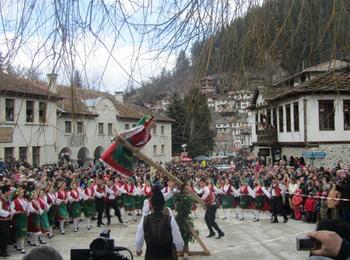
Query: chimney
52	79
119	96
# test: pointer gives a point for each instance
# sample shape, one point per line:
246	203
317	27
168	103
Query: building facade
27	121
312	119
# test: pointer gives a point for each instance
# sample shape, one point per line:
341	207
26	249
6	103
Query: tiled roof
81	95
13	86
336	81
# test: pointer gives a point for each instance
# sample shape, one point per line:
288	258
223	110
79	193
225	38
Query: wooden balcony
267	136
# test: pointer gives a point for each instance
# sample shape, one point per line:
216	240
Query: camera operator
344	206
159	230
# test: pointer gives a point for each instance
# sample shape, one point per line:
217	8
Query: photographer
159	230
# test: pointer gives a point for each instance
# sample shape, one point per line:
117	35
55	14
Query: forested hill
276	38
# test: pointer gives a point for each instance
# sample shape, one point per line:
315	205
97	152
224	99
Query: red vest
18	205
74	194
277	190
89	192
244	190
259	191
62	195
210	199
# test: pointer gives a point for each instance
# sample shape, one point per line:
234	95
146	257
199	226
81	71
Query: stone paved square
243	239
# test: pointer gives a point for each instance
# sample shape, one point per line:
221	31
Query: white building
242	98
85	129
27	121
305	117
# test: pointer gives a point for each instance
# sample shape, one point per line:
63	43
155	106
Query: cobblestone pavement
243	239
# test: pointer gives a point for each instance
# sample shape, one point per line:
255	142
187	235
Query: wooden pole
144	157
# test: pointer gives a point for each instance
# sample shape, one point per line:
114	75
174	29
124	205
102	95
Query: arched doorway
98	152
83	156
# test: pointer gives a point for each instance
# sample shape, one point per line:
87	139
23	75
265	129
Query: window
36	156
274	117
346	111
288	119
326	114
162	130
10	110
162	148
110	129
268	117
23	153
42	112
67	127
154	149
133	125
155	130
29	111
79	127
127	126
9	154
296	116
280	118
100	128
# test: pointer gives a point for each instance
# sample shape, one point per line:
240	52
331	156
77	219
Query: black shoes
285	220
274	221
121	221
211	234
221	234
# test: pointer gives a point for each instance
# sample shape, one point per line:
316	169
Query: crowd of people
35	202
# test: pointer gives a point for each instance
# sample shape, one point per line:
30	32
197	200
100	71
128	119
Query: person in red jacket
309	207
297	202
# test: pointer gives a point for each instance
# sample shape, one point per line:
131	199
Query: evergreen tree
182	63
198	124
176	111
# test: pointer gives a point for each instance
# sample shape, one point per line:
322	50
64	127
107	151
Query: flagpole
145	158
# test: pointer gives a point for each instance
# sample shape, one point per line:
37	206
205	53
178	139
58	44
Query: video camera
101	248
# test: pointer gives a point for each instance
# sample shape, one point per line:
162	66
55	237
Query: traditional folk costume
170	203
34	227
139	199
119	190
111	203
277	206
261	203
100	195
74	198
6	212
209	199
129	200
227	198
21	222
88	196
297	202
51	202
244	200
44	219
62	211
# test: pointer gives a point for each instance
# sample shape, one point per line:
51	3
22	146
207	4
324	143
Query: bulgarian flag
120	158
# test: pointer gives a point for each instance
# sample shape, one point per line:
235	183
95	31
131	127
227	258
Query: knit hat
157	199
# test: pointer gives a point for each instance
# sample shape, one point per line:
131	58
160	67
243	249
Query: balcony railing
267	136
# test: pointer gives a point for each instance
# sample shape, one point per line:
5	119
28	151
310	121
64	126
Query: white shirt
175	233
98	194
4	213
111	193
292	188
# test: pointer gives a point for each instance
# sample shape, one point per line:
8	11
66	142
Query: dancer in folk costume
111	201
100	195
119	191
120	158
245	197
44	219
208	196
227	197
169	189
88	196
297	202
62	200
217	192
147	189
74	198
277	206
51	202
20	218
261	195
139	198
35	211
6	212
129	199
